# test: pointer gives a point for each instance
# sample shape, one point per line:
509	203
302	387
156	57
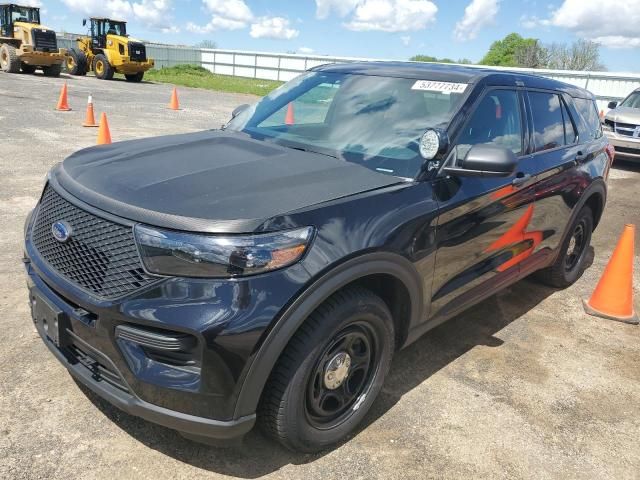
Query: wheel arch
404	298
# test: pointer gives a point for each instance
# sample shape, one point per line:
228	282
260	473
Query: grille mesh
100	256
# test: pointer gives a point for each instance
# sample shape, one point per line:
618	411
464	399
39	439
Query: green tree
429	58
503	52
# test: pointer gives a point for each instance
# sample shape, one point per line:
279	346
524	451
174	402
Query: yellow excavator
25	44
107	50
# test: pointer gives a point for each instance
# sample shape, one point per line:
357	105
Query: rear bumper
626	147
115	389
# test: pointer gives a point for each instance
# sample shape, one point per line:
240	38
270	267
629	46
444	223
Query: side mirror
612	105
485	160
239	109
84	22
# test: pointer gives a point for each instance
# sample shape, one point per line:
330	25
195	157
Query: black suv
268	271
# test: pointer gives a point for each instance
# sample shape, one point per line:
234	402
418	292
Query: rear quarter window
589	128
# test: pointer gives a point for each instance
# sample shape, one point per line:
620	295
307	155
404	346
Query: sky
387	29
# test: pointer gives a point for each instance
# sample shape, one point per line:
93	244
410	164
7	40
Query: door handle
520	179
580	157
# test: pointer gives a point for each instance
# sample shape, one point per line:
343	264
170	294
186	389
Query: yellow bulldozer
108	49
25	44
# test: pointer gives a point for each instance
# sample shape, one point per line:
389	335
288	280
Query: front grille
633	151
626	129
100	256
99	371
137	52
44	40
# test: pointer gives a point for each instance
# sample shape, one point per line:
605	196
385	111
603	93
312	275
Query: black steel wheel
330	373
571	260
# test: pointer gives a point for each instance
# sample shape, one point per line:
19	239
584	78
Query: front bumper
34	57
129	66
227	318
626	147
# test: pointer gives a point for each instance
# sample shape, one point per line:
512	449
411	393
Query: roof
453	73
18	5
106	18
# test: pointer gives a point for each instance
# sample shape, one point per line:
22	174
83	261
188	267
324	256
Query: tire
9	61
299	407
52	70
76	62
134	77
102	68
27	68
570	263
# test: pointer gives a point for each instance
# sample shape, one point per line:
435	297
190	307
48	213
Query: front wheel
9	61
134	77
76	62
102	68
571	260
330	373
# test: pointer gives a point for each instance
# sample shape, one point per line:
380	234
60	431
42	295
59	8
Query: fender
597	186
286	326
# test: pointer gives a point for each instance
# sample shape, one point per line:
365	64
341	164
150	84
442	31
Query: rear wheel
52	70
570	263
76	62
27	68
330	373
134	77
102	68
9	61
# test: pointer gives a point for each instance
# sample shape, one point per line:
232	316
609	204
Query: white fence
606	86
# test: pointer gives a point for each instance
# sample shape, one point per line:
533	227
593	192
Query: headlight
193	255
606	127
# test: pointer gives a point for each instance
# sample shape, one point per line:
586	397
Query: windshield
632	101
115	28
25	14
371	120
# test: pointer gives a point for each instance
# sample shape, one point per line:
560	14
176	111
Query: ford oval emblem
61	231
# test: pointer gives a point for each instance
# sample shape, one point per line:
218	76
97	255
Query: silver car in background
622	126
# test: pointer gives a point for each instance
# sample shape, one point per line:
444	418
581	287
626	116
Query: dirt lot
523	386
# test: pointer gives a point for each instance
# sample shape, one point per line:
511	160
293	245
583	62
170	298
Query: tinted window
495	120
632	101
589	113
570	135
548	124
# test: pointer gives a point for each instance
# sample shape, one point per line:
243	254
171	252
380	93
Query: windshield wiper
305	149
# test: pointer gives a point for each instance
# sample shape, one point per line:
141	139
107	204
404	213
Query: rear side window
570	134
496	120
548	124
589	113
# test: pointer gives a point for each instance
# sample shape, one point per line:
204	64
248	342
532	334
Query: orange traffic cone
104	135
173	104
89	120
63	104
613	296
289	118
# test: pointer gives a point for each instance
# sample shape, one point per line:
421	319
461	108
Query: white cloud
229	9
405	39
306	50
153	13
392	15
273	27
31	3
477	15
340	7
613	26
531	21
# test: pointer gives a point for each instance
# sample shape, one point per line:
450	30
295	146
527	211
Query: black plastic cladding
101	256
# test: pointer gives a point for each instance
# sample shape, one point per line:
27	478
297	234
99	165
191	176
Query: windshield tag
442	87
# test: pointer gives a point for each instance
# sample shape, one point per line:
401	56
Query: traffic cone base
613	296
104	135
633	319
174	104
63	103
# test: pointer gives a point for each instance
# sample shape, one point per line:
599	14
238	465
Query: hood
624	115
210	181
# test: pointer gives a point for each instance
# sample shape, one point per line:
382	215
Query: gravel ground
525	385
